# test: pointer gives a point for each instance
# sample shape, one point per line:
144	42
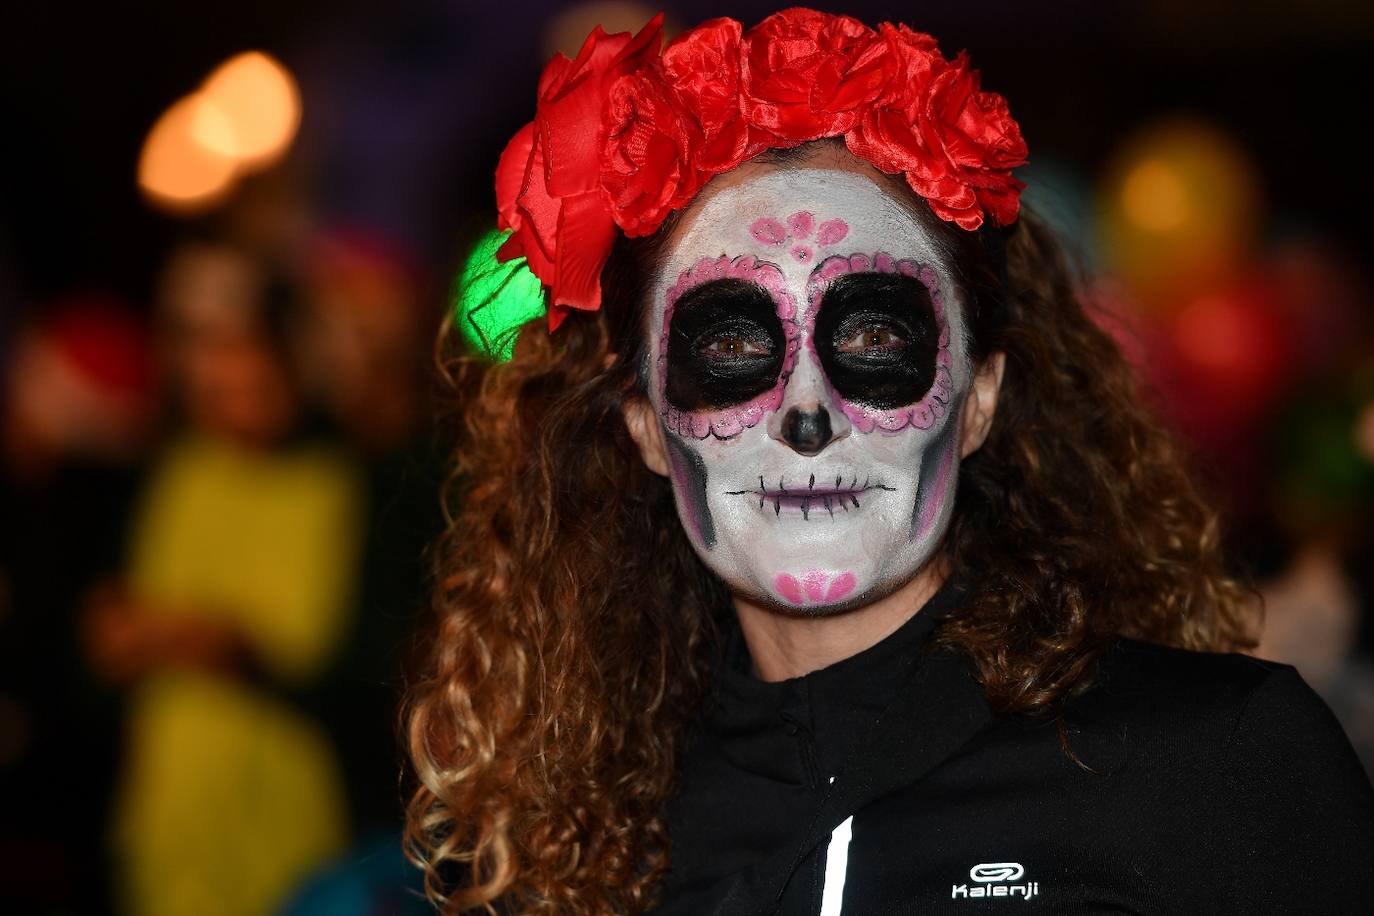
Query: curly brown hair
576	624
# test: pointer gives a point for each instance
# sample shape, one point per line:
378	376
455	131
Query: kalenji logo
991	880
996	871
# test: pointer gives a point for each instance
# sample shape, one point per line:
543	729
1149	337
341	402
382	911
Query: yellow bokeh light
1155	197
261	107
1180	208
176	170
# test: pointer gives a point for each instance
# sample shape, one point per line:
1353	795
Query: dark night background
447	83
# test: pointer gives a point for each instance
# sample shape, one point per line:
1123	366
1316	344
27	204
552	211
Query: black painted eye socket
876	336
725	345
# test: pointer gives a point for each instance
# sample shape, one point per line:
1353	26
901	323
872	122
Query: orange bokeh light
1154	197
178	172
261	107
242	119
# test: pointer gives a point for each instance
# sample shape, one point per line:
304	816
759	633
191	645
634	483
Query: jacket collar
937	707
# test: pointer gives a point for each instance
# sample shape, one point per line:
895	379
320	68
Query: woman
234	600
933	625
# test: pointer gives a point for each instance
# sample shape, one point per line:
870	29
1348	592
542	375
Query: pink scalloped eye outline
798	229
730	421
925	412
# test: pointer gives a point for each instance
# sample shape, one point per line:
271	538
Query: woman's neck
786	646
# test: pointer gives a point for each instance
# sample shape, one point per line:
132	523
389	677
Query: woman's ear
981	403
642	421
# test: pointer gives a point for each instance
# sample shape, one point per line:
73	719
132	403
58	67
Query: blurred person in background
365	344
76	408
1312	618
236	593
1316	577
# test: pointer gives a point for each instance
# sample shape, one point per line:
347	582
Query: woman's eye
731	346
872	338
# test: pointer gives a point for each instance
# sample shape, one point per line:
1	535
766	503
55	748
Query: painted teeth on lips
822	498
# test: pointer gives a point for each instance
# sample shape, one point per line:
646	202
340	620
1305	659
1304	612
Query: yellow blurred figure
238	590
231	796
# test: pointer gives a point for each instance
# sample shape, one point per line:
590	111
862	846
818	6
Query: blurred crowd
213	518
219	461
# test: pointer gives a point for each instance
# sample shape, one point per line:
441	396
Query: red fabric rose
703	68
909	58
955	144
795	68
651	144
622	137
547	182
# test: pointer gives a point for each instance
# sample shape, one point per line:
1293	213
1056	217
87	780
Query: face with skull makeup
808	370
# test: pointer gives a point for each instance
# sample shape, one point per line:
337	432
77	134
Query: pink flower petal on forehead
832	267
768	231
802	253
801	224
770	278
832	232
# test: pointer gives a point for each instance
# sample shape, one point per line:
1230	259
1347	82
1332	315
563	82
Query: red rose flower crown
625	134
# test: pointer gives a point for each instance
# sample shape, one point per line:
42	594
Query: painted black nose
807	431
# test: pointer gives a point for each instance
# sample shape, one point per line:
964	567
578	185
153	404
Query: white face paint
808	364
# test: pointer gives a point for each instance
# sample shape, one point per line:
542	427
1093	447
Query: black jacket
1204	784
